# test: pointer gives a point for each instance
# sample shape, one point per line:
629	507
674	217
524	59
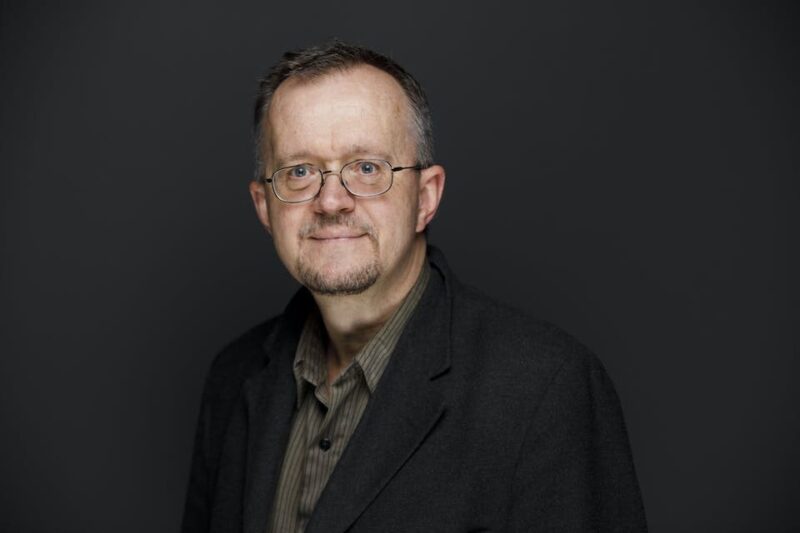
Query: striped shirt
326	417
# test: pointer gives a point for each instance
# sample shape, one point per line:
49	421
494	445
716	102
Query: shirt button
325	445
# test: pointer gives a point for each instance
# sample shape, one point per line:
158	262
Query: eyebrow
353	152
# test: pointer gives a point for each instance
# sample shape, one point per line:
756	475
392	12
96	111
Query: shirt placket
324	441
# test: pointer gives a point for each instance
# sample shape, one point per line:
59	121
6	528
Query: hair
337	56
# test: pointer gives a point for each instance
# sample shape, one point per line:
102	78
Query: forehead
332	115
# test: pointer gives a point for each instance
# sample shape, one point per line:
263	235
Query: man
388	396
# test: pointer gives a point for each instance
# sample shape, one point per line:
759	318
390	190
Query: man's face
338	243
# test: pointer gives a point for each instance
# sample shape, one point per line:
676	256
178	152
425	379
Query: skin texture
358	256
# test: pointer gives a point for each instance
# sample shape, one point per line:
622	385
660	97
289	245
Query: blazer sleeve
575	471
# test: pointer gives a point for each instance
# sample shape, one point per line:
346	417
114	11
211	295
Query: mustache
339	220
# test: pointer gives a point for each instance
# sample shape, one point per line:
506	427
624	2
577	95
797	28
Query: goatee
352	281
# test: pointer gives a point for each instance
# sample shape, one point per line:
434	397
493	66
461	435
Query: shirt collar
310	367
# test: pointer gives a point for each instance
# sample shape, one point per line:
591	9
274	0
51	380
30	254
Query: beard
355	280
333	279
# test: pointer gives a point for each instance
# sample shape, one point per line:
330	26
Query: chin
337	279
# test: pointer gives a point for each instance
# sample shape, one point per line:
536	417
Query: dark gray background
626	171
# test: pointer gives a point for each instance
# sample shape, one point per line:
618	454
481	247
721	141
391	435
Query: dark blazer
484	420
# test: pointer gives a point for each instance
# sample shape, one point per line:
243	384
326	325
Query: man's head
318	110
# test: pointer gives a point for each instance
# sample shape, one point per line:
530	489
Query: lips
335	228
332	234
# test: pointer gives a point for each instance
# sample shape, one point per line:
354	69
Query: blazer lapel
270	398
403	410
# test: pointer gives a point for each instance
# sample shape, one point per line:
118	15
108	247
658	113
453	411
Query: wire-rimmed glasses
362	178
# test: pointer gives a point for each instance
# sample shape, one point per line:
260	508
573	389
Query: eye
299	172
366	167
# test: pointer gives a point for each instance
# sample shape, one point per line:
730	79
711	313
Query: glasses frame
324	173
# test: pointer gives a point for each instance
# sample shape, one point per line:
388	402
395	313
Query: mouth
335	236
340	231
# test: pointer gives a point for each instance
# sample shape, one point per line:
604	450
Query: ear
259	193
431	188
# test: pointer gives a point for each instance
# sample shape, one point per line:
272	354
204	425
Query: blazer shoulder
514	338
500	348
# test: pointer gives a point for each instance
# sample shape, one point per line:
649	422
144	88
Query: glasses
362	178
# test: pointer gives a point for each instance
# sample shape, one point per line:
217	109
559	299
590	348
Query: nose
333	197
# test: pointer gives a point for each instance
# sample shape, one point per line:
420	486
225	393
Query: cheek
398	225
285	227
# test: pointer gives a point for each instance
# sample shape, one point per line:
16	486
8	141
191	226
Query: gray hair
313	62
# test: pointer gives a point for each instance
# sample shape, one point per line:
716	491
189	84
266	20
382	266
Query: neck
352	320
